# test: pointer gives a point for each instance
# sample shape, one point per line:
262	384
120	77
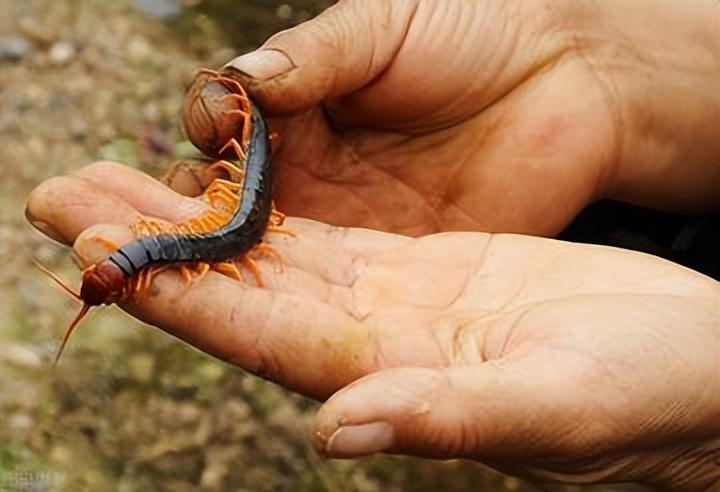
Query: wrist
660	62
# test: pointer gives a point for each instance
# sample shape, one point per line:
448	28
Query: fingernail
359	440
47	229
263	64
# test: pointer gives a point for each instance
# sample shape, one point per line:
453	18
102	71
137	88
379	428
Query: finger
142	192
338	52
113	193
190	177
64	206
489	411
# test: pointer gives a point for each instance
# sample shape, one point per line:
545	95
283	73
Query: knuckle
100	168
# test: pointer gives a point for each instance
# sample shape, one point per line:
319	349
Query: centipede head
102	283
216	111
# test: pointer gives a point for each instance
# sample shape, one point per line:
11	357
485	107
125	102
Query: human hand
538	357
422	117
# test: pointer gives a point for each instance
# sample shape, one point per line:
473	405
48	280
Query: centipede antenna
56	279
83	311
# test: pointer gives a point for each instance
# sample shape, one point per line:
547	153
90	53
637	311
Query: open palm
539	357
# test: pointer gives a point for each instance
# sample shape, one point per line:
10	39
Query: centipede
223	122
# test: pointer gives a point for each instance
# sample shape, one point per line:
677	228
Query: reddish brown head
216	110
102	284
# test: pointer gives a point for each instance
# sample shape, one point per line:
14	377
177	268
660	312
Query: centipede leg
137	282
231	168
267	250
201	269
236	146
186	275
221	197
215	219
228	269
208	71
237	85
146	227
153	272
277	218
280	230
110	245
246	127
252	265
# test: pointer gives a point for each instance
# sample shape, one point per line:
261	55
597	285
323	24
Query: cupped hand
426	116
538	357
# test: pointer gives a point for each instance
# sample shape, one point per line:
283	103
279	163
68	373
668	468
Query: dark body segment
243	231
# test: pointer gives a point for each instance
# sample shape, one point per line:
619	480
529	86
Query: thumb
483	412
338	52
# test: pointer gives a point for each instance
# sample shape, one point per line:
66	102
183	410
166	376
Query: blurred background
130	408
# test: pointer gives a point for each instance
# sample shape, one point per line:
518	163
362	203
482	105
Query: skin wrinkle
356	313
509	338
235	313
461	336
269	361
382	170
446	356
607	173
447	201
328	105
501	61
349	189
474	273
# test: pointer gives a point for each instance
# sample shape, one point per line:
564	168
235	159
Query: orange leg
228	189
228	269
213	221
138	281
222	185
267	250
231	168
153	272
207	71
201	269
277	218
252	265
280	230
236	146
186	275
143	280
146	227
237	85
110	245
224	202
246	127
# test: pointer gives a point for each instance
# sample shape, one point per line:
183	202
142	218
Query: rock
139	49
160	9
13	48
20	355
61	52
284	12
19	421
141	367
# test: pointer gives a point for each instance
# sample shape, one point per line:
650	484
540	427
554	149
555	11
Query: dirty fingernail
359	440
263	64
47	229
